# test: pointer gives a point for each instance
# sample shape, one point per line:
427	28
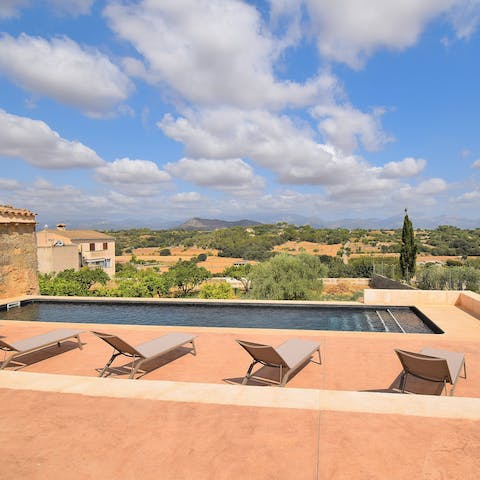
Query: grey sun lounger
434	365
145	351
287	357
39	342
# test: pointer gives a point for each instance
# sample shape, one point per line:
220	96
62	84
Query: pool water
318	317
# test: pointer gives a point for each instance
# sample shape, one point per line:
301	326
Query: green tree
186	275
155	283
286	277
54	285
71	282
216	290
408	250
437	277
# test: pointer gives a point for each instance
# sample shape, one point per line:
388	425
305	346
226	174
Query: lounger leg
283	381
249	371
403	380
112	358
79	342
7	360
455	384
319	358
134	369
193	346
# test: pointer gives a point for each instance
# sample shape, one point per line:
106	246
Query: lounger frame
433	366
269	356
120	347
33	344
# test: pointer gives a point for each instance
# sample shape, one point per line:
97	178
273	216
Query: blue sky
156	111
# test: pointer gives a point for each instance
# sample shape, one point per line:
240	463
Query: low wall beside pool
464	299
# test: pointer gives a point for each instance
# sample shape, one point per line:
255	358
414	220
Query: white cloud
63	70
232	175
11	8
187	197
350	30
210	52
9	184
431	186
270	141
135	177
476	164
465	17
37	144
72	7
469	199
366	189
344	127
408	167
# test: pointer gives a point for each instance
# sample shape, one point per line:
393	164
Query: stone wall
18	260
379	281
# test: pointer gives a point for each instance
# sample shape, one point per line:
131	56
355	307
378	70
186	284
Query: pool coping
251	396
431	324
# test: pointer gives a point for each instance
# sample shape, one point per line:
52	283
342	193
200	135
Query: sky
151	112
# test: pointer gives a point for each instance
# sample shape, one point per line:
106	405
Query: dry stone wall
18	260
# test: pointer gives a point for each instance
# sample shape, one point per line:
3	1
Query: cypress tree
408	250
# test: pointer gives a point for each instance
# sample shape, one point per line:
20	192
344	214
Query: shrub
453	263
216	290
455	278
165	252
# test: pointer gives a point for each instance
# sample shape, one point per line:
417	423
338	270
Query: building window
105	245
107	263
92	247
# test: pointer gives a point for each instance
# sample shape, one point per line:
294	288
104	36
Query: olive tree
286	277
186	275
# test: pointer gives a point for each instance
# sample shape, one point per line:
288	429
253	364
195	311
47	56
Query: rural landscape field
276	261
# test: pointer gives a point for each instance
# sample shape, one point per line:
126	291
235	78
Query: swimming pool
272	316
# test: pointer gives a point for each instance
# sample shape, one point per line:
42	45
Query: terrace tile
340	420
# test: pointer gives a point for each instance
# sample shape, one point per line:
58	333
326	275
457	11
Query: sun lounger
287	357
145	351
433	365
39	342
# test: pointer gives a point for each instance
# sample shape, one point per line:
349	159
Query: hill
213	224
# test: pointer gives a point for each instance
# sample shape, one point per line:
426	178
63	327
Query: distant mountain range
382	223
213	224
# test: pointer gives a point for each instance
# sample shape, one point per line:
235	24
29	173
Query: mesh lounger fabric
37	342
145	351
287	357
433	365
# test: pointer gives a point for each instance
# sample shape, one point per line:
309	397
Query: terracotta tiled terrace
189	417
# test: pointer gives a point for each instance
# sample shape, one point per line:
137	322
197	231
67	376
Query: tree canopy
287	277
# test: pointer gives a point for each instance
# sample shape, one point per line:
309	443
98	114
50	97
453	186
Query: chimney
61	226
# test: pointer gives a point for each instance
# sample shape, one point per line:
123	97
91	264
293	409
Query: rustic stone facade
18	252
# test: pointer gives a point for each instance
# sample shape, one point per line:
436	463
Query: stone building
18	252
60	249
